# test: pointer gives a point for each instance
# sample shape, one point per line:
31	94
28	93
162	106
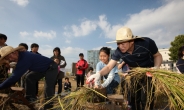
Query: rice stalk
163	84
81	99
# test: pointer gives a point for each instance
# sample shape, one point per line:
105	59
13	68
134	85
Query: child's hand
87	82
94	76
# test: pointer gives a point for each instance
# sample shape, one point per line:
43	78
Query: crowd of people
132	51
30	67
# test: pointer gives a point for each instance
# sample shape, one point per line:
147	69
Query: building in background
167	64
93	59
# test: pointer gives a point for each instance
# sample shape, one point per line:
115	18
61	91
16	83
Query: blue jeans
110	89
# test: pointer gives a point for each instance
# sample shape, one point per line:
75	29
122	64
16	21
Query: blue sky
80	25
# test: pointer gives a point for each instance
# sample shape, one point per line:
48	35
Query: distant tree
175	45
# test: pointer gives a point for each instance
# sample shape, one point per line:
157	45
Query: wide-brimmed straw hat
124	34
6	50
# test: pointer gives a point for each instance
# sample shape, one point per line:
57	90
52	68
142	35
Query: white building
167	63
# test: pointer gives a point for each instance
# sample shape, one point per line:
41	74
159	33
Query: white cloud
22	3
67	41
85	28
88	26
72	51
47	35
97	48
162	24
24	34
108	30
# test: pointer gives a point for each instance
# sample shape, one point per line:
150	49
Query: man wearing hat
28	61
136	52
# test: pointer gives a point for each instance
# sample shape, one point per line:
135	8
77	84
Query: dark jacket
67	86
60	74
27	61
180	65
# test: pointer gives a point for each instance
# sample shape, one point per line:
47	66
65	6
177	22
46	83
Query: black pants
24	80
49	87
59	82
140	95
80	80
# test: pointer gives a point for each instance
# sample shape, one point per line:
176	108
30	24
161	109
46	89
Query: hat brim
121	41
15	49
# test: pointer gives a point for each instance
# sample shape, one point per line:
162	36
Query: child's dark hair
180	52
81	54
90	69
24	45
105	50
3	36
57	49
34	45
66	78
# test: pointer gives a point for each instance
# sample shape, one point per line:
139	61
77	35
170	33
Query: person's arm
109	78
101	72
157	60
121	65
85	66
156	55
16	75
178	71
108	68
77	65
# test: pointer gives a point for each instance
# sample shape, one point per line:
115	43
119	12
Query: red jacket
81	65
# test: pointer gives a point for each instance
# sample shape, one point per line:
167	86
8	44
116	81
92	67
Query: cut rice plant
82	99
163	87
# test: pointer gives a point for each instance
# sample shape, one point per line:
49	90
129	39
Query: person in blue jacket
28	61
112	79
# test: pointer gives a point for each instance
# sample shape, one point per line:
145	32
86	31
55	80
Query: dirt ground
71	79
41	88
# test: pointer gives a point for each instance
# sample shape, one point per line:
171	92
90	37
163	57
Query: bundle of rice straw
82	99
167	86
